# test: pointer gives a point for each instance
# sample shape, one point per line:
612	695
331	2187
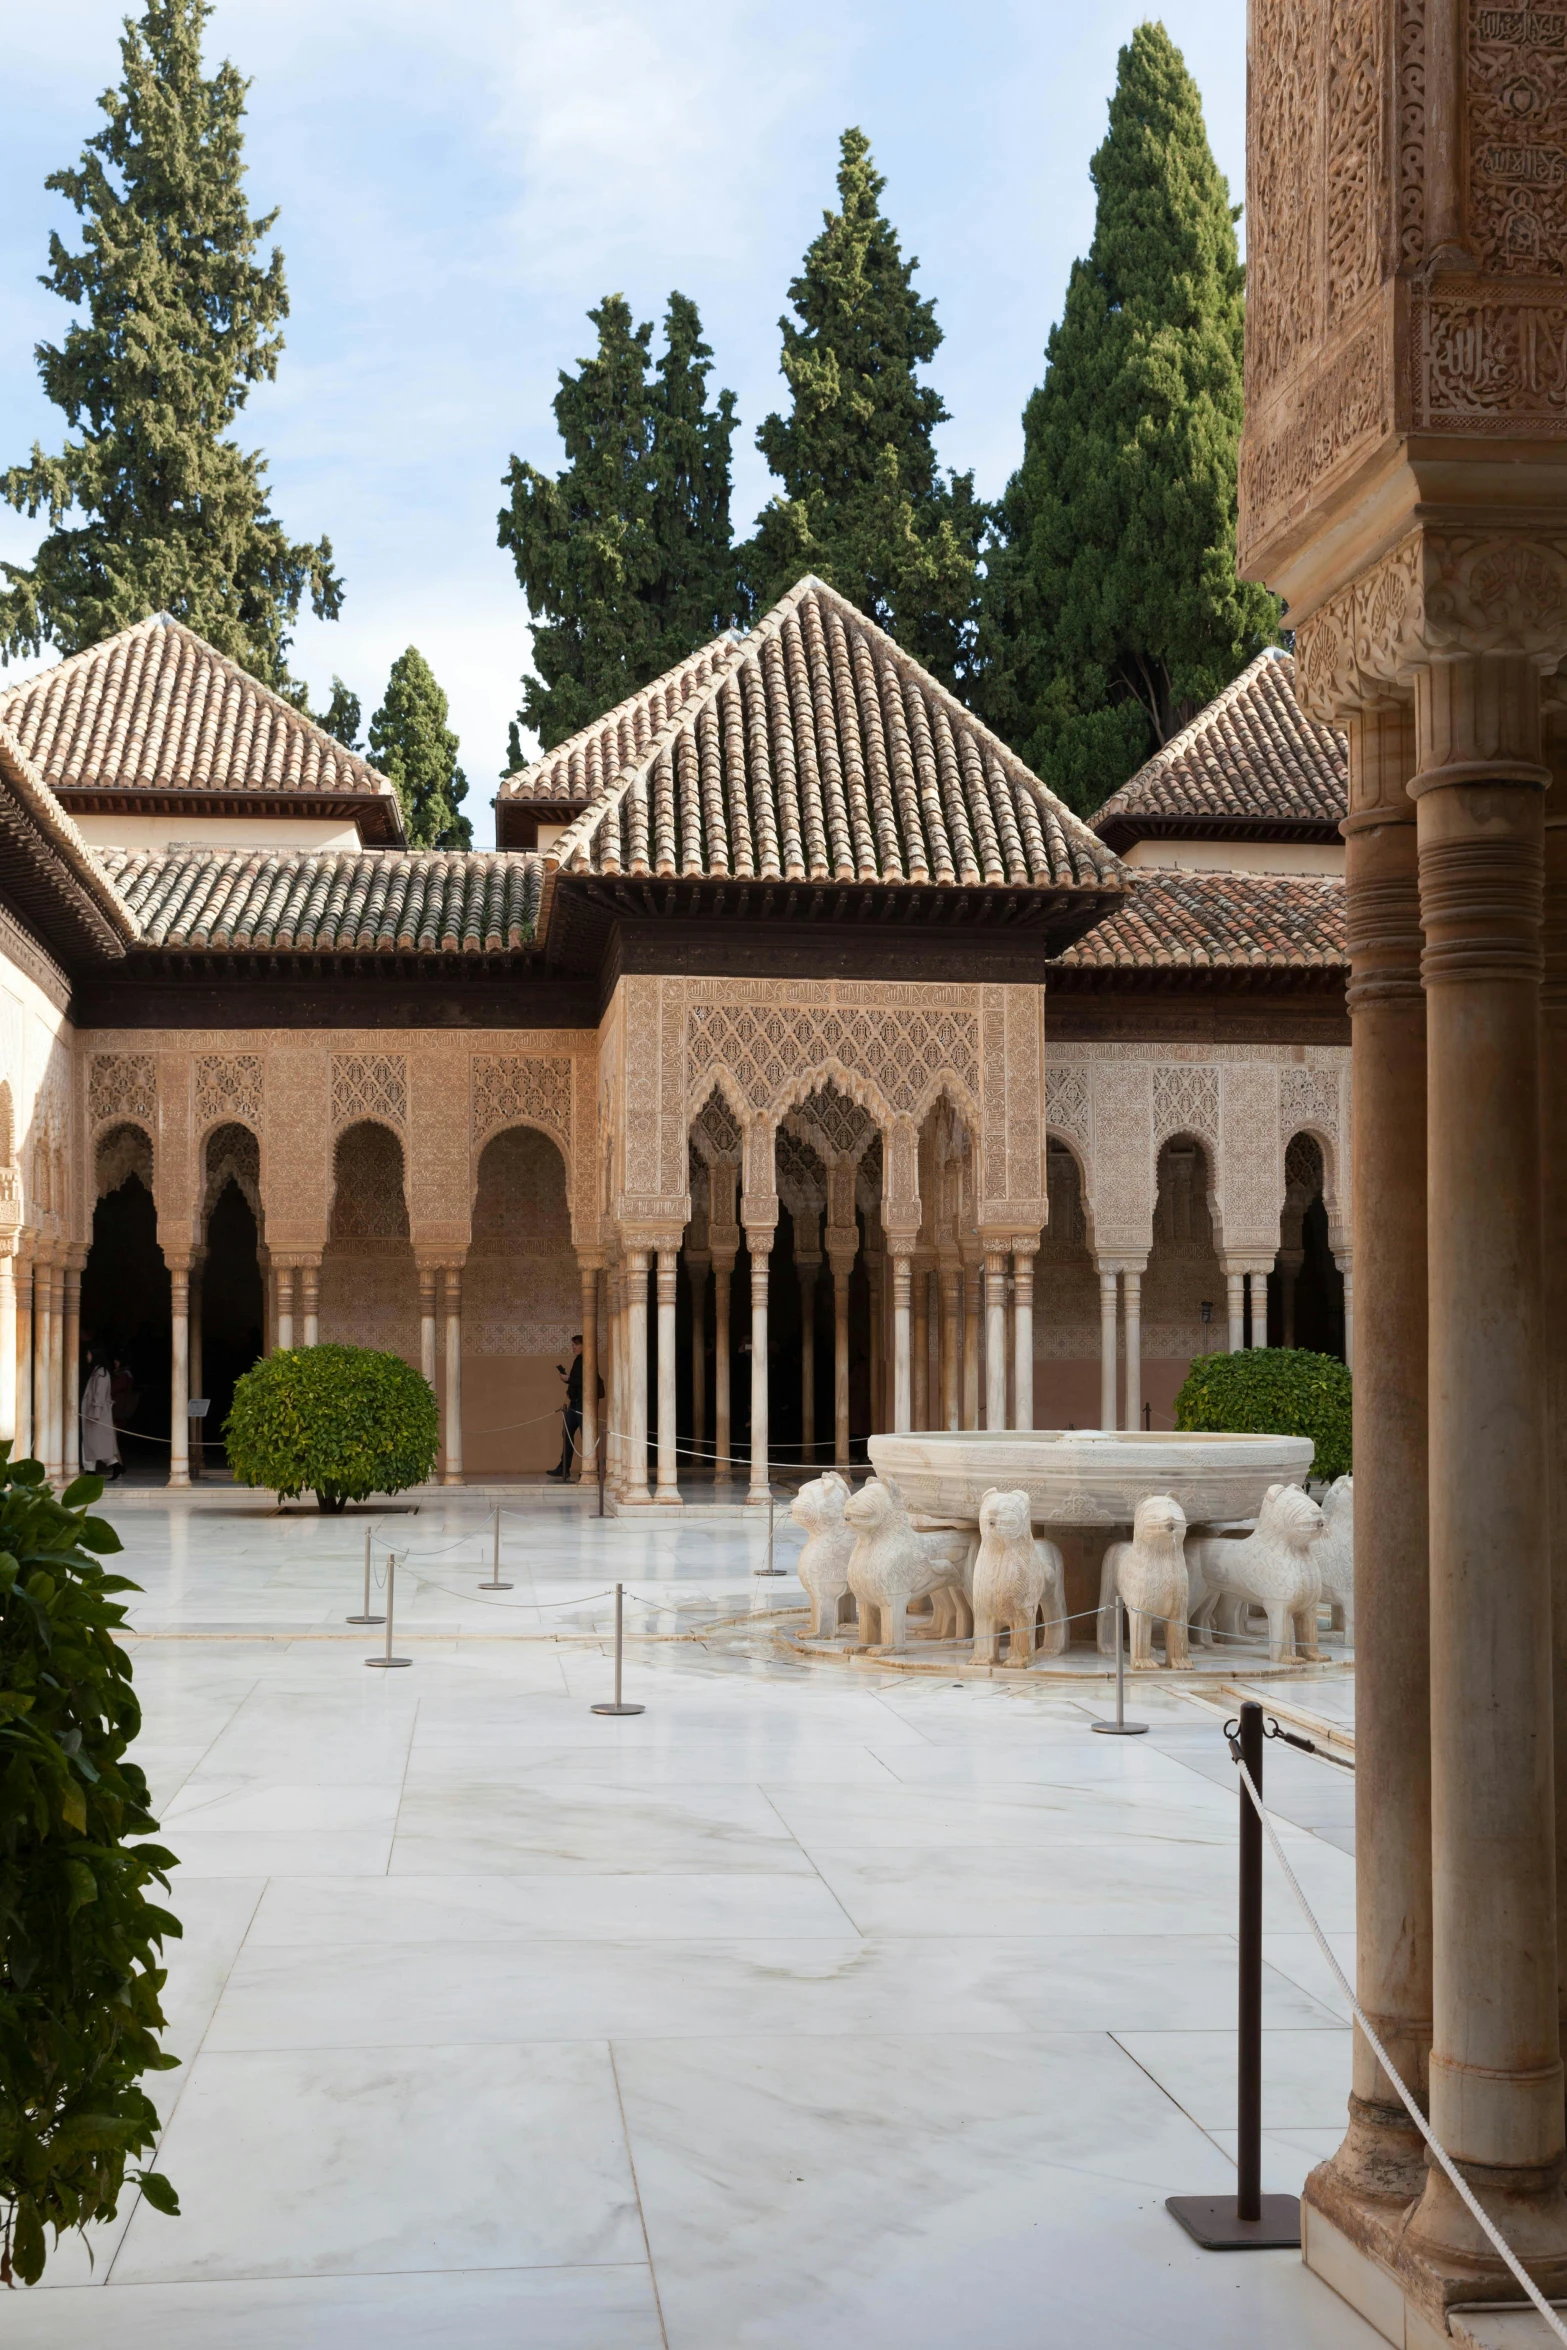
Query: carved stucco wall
369	1285
521	1293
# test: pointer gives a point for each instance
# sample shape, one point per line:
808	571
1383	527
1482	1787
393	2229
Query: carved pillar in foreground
179	1366
1383	2156
452	1282
1107	1366
668	1428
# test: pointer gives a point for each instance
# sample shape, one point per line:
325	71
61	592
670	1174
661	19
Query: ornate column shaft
1496	2072
698	1263
429	1276
902	1352
179	1369
614	1380
995	1337
1383	2156
920	1358
1132	1308
723	1372
452	1287
310	1299
1258	1283
24	1353
808	1268
973	1318
761	1246
1023	1255
588	1443
951	1284
197	1427
1107	1366
1235	1295
668	1375
285	1307
634	1482
842	1242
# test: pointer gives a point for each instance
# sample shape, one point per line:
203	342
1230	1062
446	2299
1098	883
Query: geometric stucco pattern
369	1085
122	1085
228	1086
510	1091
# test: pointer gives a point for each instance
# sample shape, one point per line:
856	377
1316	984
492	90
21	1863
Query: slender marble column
43	1420
1290	1262
1022	1337
808	1268
668	1427
842	1273
635	1485
761	1245
54	1371
452	1285
995	1338
902	1349
197	1428
1132	1309
588	1440
285	1308
950	1281
973	1314
1259	1308
8	1343
1496	2070
1107	1365
614	1381
310	1299
428	1277
24	1356
920	1359
723	1375
1553	1070
876	1290
179	1375
1383	2154
1235	1291
697	1263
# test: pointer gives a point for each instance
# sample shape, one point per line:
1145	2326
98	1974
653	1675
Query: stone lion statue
1150	1574
1015	1575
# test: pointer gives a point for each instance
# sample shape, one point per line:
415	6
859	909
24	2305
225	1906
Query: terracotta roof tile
1251	757
581	769
1218	922
331	901
156	711
814	749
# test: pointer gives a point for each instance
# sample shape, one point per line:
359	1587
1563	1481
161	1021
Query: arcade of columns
1402	485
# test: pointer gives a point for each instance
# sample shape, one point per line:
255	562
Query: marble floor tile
613	1908
489	1826
357	2161
212	1803
1287	2155
1305	2075
277	1852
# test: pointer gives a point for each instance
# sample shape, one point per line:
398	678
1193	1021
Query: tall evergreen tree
416	750
625	555
864	504
341	717
1111	611
181	319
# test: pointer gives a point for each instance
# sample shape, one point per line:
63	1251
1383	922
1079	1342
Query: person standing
572	1412
100	1448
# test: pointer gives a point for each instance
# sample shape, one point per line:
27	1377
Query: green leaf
81	1490
159	2193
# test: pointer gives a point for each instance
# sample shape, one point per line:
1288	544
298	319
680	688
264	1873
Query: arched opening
369	1285
1066	1302
522	1300
233	1309
1184	1300
126	1313
1306	1288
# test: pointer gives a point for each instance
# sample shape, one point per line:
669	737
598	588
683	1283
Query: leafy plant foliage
416	750
625	555
864	505
181	319
1274	1391
1111	611
339	1421
80	1982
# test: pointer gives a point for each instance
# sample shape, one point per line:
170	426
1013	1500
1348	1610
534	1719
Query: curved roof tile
1252	757
1218	922
330	901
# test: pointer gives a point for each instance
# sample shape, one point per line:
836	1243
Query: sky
457	184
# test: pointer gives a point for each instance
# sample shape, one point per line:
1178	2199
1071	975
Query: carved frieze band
510	1091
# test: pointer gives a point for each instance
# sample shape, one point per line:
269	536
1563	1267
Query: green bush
79	1982
340	1421
1273	1391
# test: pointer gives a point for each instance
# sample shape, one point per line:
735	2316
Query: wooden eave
1119	832
376	814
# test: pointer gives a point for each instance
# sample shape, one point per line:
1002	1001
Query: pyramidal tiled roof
579	770
814	749
328	902
1175	922
1252	761
156	717
47	869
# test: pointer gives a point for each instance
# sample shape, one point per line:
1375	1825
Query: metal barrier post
1248	2219
617	1707
1120	1727
367	1617
769	1569
495	1583
388	1661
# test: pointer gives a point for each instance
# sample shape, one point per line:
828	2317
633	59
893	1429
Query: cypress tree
1111	611
863	503
625	555
340	719
416	750
165	512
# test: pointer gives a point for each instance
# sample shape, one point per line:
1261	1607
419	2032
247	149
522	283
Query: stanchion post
1120	1727
1248	2220
769	1569
387	1662
367	1617
617	1707
598	1452
495	1583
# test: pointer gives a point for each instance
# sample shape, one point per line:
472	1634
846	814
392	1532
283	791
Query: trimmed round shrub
1273	1391
338	1421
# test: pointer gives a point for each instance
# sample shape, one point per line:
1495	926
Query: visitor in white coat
100	1447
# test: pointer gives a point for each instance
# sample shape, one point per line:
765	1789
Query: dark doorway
126	1313
231	1305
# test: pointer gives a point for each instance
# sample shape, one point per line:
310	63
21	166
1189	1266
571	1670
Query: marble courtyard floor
811	2007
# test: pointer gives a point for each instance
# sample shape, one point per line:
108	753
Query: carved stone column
452	1285
614	1375
1024	1251
842	1242
808	1267
1132	1311
1235	1293
429	1277
920	1358
668	1378
197	1428
698	1263
634	1485
1553	1073
179	1366
1258	1283
285	1306
310	1299
1345	1260
995	1336
71	1362
902	1353
1107	1364
24	1351
8	1340
876	1284
759	1239
951	1284
1383	2157
1290	1263
1496	2071
973	1319
588	1440
45	1440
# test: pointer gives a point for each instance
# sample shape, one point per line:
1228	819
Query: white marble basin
1086	1477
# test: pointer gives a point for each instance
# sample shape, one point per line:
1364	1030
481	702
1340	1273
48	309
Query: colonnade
40	1343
